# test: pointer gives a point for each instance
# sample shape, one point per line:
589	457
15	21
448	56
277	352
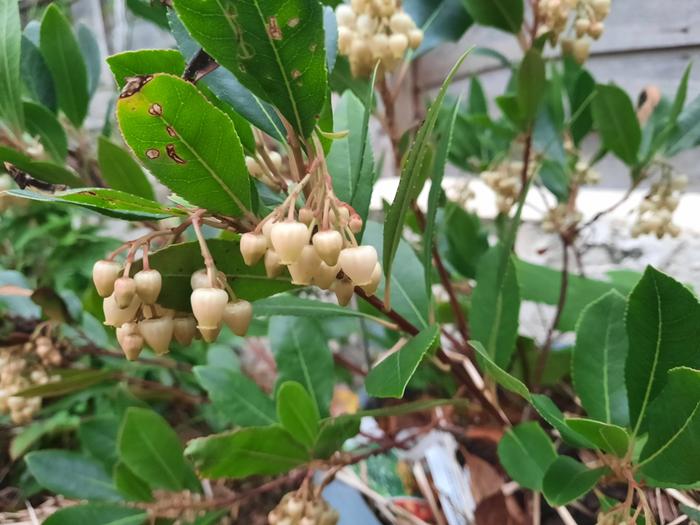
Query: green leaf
35	73
391	376
275	48
71	475
567	480
467	240
44	171
502	14
293	305
531	85
90	50
609	438
302	355
10	80
237	397
555	178
477	102
111	203
130	485
247	452
178	262
154	12
670	453
553	415
496	305
443	138
616	120
580	101
410	176
663	326
350	160
333	433
409	300
686	133
499	375
298	413
121	171
526	452
80	380
98	437
145	62
43	123
151	449
65	61
228	89
598	363
96	514
178	135
440	20
30	435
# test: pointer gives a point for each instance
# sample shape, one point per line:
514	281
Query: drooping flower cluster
561	219
130	306
375	30
294	509
584	174
506	182
266	168
21	367
588	21
655	212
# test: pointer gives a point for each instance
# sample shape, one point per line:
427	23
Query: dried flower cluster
588	22
375	30
21	367
655	212
295	509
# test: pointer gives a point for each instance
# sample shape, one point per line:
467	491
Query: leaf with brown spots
188	144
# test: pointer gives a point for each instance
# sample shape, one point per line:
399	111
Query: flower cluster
561	219
22	367
130	306
587	22
584	174
506	182
375	30
294	509
655	213
266	168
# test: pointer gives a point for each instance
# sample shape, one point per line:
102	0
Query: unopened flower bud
276	160
358	263
325	275
184	330
237	316
104	274
209	334
344	290
208	307
305	267
398	43
582	25
157	333
345	15
253	167
148	285
400	22
124	291
115	316
596	30
355	224
200	279
371	288
415	38
581	49
273	267
328	244
130	340
253	247
288	239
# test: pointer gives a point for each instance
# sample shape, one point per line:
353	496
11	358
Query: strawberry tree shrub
241	167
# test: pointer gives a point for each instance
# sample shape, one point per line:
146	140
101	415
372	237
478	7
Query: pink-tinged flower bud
148	285
104	274
208	307
115	316
184	330
124	291
253	247
325	275
328	244
237	316
305	267
355	224
306	216
288	239
273	267
371	288
130	340
157	333
358	263
344	290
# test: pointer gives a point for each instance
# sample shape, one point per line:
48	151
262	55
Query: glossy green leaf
98	437
390	377
96	514
663	327
616	120
275	48
80	380
440	20
65	61
152	11
567	480
554	416
302	354
42	123
350	160
555	178
609	438
499	375
34	71
293	305
121	171
531	85
187	143
410	176
580	101
669	455
151	449
111	203
467	239
44	171
71	475
145	62
10	80
599	359
247	452
236	396
130	485
502	14
30	435
90	50
228	89
686	132
526	452
178	262
298	413
496	306
333	433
